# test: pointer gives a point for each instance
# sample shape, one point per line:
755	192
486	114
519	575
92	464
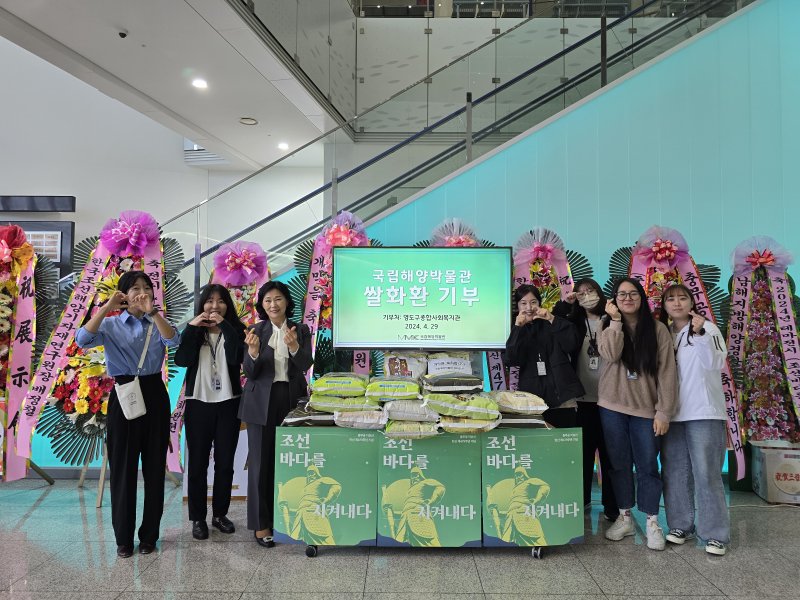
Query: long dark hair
520	293
230	312
640	352
664	317
268	287
598	310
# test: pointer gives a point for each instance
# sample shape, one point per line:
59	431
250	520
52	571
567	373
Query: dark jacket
554	343
575	314
254	406
188	353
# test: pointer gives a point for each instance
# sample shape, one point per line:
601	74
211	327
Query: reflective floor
55	544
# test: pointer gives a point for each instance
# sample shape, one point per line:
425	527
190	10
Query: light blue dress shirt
123	338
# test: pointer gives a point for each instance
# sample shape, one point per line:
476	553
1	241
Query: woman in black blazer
277	355
211	349
540	344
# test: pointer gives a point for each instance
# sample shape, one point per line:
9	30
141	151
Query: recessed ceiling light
200	84
283	146
248	121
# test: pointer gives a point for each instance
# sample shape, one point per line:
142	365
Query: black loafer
199	530
124	551
266	541
224	524
145	548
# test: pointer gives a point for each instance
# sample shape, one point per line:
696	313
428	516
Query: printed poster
429	491
325	486
532	487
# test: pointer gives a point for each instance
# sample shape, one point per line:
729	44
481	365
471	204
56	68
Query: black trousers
261	461
210	423
146	437
561	418
593	441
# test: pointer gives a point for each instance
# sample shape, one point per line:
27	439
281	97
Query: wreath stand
101	482
41	473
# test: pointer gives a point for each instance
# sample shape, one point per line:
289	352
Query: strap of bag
144	350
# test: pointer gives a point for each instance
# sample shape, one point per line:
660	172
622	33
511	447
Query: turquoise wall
705	140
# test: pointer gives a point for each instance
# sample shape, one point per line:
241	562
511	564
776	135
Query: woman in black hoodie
540	344
211	349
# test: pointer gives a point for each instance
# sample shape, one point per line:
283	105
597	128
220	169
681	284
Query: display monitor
427	298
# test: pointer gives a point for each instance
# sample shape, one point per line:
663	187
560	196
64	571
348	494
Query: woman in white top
211	349
693	449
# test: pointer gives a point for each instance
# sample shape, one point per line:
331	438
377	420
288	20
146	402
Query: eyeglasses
632	295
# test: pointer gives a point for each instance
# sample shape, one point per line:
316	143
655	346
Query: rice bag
517	402
342	404
303	414
474	406
409	410
363	419
340	384
465	425
393	387
410	430
451	383
405	364
440	363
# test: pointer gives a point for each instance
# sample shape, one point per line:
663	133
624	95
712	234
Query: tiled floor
55	545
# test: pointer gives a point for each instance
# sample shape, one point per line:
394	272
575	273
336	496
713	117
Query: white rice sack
449	362
405	364
409	410
466	425
516	402
410	430
369	419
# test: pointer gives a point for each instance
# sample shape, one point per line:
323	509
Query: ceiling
168	44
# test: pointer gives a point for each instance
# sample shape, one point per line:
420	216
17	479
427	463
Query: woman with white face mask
585	307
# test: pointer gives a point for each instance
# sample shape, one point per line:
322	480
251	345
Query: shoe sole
716	551
676	540
620	538
657	548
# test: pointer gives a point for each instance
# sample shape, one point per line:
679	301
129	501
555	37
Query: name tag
632	375
594	363
540	368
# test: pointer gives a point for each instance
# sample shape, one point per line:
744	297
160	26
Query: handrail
459	147
421	81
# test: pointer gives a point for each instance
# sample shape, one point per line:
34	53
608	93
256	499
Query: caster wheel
311	551
537	552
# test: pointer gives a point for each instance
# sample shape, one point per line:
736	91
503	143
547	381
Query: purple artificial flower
130	234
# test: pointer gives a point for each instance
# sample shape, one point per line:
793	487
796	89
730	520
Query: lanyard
213	349
678	345
592	349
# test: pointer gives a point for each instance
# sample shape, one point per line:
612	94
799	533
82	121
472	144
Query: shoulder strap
144	350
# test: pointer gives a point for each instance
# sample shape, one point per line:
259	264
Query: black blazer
188	353
254	406
554	343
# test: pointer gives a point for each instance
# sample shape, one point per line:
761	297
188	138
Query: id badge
594	363
540	368
216	383
632	375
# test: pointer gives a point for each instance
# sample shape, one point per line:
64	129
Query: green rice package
402	388
474	406
340	384
466	425
409	410
342	404
451	383
405	364
516	402
362	419
410	430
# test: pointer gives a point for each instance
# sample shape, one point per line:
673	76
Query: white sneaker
715	547
655	536
621	528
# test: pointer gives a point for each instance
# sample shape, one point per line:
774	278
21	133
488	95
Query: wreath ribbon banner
787	333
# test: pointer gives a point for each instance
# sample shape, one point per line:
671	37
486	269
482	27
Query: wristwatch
153	312
701	332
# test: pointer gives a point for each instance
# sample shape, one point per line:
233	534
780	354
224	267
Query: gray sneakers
655	536
622	527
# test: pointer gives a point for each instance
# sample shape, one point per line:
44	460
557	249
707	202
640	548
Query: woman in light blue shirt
147	437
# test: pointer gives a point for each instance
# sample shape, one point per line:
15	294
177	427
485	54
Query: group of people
214	347
640	389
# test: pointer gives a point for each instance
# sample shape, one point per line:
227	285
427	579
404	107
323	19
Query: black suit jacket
188	353
254	406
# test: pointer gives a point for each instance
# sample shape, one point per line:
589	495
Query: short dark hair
268	287
521	292
129	278
230	313
600	309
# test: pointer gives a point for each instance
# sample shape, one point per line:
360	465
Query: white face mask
589	301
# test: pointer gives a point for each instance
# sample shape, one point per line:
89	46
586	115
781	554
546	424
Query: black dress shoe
124	551
266	541
224	524
199	530
145	548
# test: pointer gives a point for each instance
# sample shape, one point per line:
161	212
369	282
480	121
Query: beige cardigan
647	396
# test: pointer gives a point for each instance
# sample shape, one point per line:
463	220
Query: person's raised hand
544	314
571	297
613	311
200	320
117	300
697	322
290	339
253	342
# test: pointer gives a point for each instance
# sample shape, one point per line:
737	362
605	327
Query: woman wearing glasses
540	344
637	398
584	308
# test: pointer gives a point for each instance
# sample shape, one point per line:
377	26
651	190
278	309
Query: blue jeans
630	441
692	457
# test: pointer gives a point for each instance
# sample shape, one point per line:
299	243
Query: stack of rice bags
304	415
519	409
343	394
399	390
453	392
